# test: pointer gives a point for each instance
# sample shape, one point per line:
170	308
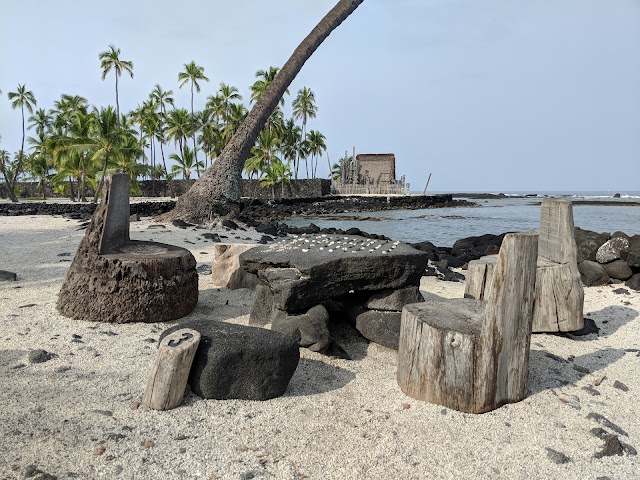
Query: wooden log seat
473	355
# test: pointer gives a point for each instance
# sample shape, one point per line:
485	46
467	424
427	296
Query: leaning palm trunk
217	192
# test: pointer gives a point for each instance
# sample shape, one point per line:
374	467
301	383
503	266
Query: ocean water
443	226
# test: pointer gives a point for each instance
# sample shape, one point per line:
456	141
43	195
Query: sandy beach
79	415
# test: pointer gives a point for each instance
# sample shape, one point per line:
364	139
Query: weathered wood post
559	293
479	275
170	372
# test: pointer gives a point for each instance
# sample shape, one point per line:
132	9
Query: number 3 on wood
185	336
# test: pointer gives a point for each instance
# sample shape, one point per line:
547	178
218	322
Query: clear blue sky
487	95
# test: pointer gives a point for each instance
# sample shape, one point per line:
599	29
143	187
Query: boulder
477	247
588	243
236	361
381	327
7	276
611	249
634	282
394	300
262	311
631	256
226	270
592	274
310	330
618	269
304	271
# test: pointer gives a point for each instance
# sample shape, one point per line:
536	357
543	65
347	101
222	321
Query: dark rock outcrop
235	361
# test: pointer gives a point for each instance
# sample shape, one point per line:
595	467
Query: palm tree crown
192	73
110	59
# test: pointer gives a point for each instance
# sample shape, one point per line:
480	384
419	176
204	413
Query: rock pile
307	280
603	258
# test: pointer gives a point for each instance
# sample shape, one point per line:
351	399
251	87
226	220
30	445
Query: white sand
338	419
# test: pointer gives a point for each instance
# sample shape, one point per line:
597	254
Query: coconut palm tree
7	169
264	79
178	126
185	163
110	60
228	95
64	108
316	146
290	141
162	98
218	191
192	73
265	150
21	98
237	114
41	120
304	107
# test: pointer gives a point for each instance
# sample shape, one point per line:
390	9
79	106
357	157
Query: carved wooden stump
473	355
559	293
168	378
118	280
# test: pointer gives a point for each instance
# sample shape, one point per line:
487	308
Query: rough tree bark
217	192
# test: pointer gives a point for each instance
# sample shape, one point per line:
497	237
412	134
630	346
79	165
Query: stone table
340	272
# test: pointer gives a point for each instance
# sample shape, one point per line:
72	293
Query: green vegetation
74	145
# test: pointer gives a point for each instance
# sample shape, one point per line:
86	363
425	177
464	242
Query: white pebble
305	250
331	249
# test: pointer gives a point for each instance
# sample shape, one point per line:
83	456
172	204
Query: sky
484	95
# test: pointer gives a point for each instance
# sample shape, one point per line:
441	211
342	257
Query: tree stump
473	355
168	378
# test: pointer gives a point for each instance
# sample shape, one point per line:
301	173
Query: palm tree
178	126
264	79
304	107
162	98
316	146
336	172
218	191
184	163
264	153
290	143
110	59
40	120
228	95
21	98
192	73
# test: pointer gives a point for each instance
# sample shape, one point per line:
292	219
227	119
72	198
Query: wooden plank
170	372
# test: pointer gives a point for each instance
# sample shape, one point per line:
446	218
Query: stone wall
317	187
306	188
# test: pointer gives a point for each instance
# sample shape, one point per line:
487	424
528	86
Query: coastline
79	414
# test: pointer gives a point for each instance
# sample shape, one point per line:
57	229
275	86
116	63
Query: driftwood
168	378
468	354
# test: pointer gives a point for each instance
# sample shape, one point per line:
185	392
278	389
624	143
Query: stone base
140	282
